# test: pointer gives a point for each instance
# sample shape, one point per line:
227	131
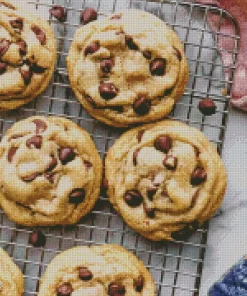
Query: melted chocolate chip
151	193
106	65
87	164
17	24
108	90
92	48
163	143
133	198
3	68
40	34
157	67
58	12
207	107
178	53
135	154
41	126
130	43
30	178
90	101
147	54
88	15
22	47
149	212
34	142
77	196
37	239
4	46
170	162
140	135
11	153
64	289
139	283
66	155
198	176
185	232
52	165
85	274
26	73
50	177
37	69
142	106
115	289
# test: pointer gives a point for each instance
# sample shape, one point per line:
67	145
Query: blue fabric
234	283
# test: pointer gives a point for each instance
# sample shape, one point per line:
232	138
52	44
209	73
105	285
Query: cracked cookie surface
50	172
27	56
98	270
165	179
11	278
128	68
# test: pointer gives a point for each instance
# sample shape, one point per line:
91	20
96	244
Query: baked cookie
11	278
27	56
50	172
128	68
98	270
165	179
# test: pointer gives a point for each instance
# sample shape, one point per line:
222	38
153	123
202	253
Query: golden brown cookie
98	270
50	172
11	278
128	68
27	55
165	179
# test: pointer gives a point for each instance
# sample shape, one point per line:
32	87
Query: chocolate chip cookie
50	172
128	68
165	179
11	278
98	270
27	56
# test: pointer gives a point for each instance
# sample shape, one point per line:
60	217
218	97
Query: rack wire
176	266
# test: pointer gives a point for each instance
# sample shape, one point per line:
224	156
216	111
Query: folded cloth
233	283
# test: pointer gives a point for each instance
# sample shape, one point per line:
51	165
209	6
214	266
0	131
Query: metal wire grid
176	266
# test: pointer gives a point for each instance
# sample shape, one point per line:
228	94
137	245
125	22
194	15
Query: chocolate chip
185	232
108	90
17	24
116	17
88	15
139	283
149	211
207	107
178	53
26	73
85	274
168	91
157	67
3	68
52	165
30	178
41	126
87	164
40	34
115	289
22	47
170	162
34	142
58	12
135	154
90	101
163	143
77	196
130	42
4	46
92	48
50	177
38	69
147	54
37	239
106	65
66	155
11	153
142	106
140	135
133	198
151	193
198	176
64	289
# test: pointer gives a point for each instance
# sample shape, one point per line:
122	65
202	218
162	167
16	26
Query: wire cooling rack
176	266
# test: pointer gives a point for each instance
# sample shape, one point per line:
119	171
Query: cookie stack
164	178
